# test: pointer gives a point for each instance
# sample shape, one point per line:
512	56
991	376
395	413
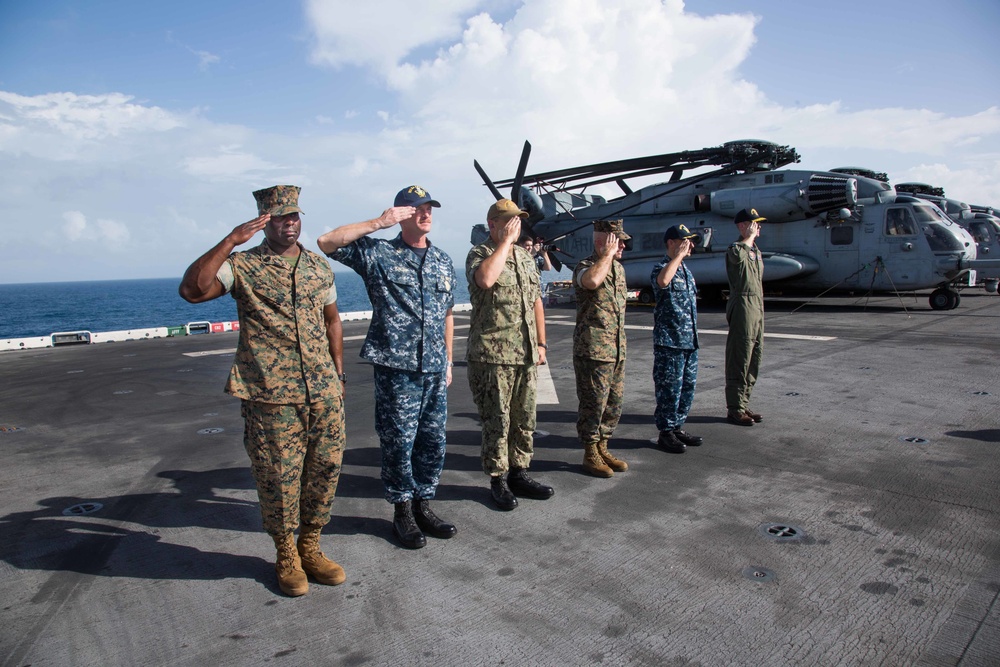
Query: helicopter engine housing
787	202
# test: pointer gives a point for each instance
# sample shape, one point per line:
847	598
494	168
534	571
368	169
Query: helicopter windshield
931	214
980	231
935	226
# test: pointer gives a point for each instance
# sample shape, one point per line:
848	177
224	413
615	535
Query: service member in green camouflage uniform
599	347
288	359
506	342
745	314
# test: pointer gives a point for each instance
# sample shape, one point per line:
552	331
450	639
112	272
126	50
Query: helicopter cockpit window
841	235
980	232
899	222
940	238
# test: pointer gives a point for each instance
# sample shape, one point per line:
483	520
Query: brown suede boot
614	463
323	570
593	462
292	579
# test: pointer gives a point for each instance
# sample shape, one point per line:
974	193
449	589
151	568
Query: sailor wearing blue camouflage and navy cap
675	340
410	283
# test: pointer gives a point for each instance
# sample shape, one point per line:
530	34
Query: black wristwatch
543	346
342	377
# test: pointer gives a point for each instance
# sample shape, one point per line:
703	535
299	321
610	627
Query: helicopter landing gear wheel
957	300
646	296
944	299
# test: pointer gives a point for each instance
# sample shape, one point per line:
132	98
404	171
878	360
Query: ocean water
39	309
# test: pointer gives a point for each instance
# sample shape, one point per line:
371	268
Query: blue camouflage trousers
505	397
295	456
411	410
674	374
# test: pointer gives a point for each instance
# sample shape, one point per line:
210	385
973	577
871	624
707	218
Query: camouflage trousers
411	409
744	345
674	374
600	389
295	456
505	397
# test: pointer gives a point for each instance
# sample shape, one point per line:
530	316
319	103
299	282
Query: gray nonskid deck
878	454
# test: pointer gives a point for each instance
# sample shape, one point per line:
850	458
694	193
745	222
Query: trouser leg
397	412
689	376
739	350
429	446
492	397
668	384
274	437
323	459
592	380
520	437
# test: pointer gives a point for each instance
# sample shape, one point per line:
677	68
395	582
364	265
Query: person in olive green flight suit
745	314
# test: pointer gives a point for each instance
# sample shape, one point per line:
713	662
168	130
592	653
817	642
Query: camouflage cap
611	227
748	216
278	200
505	208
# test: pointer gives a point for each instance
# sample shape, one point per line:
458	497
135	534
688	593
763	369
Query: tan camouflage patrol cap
505	209
278	200
611	227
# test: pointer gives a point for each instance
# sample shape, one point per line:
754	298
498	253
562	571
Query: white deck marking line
209	353
545	388
723	332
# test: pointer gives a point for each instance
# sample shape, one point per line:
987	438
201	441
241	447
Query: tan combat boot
593	462
323	570
614	463
292	579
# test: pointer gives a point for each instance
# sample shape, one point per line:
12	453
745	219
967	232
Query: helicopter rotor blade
487	181
515	188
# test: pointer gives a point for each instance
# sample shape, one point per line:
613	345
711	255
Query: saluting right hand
686	248
395	215
510	231
243	233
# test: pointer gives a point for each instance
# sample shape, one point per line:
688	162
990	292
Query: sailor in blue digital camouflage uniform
410	284
675	340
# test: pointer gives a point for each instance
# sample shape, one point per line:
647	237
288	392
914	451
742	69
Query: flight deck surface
859	524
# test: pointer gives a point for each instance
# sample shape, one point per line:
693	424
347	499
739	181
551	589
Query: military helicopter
825	231
980	221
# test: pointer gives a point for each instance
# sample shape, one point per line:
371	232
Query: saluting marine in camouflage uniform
599	347
410	284
675	340
289	354
506	341
745	314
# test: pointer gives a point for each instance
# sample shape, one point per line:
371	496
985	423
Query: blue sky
131	134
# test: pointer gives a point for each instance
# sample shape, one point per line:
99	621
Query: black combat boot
688	439
404	527
669	442
502	496
522	485
429	522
